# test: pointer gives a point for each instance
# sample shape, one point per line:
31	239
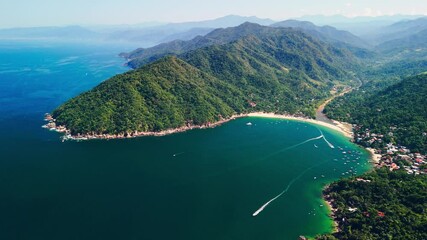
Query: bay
201	184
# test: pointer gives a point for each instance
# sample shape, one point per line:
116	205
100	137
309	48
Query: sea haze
201	184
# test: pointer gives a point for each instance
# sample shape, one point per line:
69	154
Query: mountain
415	43
155	35
146	35
158	96
325	33
280	70
223	22
400	30
181	31
69	32
361	25
143	56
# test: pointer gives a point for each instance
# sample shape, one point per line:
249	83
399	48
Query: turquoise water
201	184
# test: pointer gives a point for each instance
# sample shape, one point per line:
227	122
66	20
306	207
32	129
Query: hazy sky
20	13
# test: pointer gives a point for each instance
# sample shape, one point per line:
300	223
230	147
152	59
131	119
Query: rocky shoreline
52	126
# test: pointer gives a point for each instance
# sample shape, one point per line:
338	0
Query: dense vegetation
392	101
282	70
142	56
402	106
166	94
393	205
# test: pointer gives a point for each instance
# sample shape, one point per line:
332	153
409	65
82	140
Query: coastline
375	157
329	204
328	201
343	128
91	136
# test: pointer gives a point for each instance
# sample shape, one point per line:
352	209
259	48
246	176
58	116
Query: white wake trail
284	191
177	154
330	144
293	146
324	138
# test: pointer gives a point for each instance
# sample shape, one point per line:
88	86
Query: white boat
249	124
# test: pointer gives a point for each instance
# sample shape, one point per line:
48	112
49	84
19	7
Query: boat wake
293	146
285	190
322	136
177	154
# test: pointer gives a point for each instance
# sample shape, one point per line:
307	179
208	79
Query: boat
249	124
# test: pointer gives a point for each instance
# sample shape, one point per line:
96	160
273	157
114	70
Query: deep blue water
37	76
202	184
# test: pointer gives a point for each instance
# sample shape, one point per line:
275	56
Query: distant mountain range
143	56
145	35
69	32
404	35
325	33
362	25
338	30
328	34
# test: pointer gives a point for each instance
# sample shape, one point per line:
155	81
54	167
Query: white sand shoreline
344	128
374	156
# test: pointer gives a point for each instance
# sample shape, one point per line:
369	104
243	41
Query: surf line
285	190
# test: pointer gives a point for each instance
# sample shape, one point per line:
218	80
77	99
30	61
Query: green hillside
280	71
384	205
402	105
142	56
165	94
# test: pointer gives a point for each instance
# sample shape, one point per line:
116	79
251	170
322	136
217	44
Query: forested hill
380	205
143	56
161	95
281	70
402	106
220	36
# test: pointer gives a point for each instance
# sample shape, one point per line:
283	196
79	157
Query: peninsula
263	69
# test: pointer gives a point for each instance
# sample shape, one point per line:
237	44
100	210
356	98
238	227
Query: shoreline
328	201
92	136
375	157
329	204
343	128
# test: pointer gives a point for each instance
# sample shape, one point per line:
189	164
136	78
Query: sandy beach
344	128
374	156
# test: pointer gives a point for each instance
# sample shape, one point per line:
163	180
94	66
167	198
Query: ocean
200	184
